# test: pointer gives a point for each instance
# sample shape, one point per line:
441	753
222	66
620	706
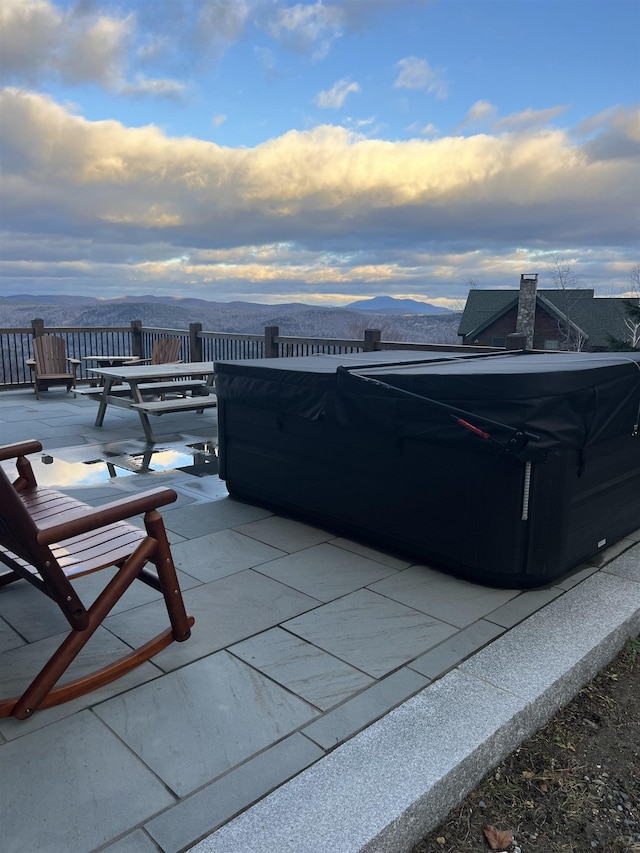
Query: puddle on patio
92	464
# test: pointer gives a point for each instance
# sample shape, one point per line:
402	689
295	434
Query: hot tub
508	469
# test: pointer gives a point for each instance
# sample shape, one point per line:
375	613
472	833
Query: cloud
314	26
358	14
219	24
335	97
307	27
416	73
529	119
190	33
481	111
615	134
143	86
345	206
428	129
485	114
38	40
41	40
324	172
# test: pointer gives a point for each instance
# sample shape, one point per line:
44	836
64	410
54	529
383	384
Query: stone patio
332	697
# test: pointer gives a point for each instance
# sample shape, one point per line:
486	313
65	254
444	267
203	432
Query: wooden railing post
37	327
270	343
136	338
371	339
195	342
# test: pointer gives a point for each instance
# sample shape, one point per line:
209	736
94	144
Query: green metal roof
595	317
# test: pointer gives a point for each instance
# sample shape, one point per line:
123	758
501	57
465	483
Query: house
572	319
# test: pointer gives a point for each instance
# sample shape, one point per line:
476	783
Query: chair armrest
12	451
87	518
75	361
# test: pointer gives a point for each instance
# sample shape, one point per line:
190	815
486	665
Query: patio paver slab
316	676
574	578
195	521
372	553
226	611
451	599
208	716
325	572
459	646
112	790
135	842
9	639
352	716
226	552
523	605
369	631
285	533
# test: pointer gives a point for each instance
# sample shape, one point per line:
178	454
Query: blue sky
318	151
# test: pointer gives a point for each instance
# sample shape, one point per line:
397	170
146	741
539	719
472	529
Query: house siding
546	329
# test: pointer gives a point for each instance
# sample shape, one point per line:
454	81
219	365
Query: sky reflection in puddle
88	466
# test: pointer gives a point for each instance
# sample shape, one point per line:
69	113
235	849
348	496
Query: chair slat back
17	529
166	350
18	535
50	353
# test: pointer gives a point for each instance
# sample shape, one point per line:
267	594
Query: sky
322	152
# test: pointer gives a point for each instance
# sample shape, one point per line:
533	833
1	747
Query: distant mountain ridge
181	301
377	304
382	304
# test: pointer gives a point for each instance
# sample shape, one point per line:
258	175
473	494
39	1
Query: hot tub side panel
449	507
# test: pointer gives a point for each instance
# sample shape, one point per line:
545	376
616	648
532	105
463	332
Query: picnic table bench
197	403
127	386
177	385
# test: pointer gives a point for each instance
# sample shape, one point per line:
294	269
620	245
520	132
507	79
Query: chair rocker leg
169	586
41	693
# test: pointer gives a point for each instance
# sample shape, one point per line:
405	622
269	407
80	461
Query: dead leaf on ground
499	839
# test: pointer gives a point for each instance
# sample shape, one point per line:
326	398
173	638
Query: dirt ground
574	787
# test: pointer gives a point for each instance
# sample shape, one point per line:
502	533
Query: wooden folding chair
51	365
166	351
163	351
48	539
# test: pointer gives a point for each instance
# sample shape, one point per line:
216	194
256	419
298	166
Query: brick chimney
526	320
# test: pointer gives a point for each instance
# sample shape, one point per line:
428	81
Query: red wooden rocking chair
48	538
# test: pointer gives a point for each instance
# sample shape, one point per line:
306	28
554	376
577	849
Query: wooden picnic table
127	385
109	361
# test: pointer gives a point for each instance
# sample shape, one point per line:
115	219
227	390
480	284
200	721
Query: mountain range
378	304
394	321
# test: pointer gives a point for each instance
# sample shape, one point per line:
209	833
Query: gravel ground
574	787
